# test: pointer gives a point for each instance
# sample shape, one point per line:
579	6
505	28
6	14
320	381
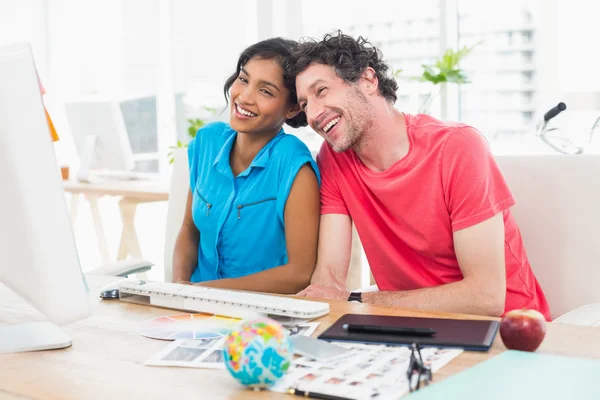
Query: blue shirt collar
261	160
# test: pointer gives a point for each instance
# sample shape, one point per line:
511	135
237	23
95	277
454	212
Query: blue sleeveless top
241	219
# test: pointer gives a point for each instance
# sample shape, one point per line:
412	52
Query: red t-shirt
406	215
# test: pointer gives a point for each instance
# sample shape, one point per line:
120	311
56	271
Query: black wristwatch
355	296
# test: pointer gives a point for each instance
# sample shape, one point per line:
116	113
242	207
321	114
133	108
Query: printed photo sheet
207	353
366	372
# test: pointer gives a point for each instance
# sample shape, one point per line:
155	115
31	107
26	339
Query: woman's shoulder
291	146
213	133
291	153
215	130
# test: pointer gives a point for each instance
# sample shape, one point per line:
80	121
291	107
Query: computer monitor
38	256
99	133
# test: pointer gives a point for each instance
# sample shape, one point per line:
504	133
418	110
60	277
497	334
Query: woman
252	213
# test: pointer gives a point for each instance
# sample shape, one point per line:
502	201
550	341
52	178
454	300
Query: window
527	61
208	38
499	99
166	60
407	33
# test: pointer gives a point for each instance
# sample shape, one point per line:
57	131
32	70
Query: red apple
523	329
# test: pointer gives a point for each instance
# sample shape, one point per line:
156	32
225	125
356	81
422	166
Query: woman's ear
294	110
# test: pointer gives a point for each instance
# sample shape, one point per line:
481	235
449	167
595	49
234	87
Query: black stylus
392	330
313	395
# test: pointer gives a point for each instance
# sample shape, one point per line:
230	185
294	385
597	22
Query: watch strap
355	296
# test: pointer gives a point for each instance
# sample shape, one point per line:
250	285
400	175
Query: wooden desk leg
129	244
100	236
74	207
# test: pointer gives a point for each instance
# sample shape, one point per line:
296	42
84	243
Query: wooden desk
107	356
132	193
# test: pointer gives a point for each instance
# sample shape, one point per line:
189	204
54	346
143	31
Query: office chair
558	213
180	184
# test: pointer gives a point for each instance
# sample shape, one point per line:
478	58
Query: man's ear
369	79
294	110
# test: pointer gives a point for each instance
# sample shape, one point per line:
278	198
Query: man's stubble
359	119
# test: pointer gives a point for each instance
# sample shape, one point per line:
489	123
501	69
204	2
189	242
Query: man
427	198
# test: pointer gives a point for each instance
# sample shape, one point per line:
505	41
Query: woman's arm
185	253
301	217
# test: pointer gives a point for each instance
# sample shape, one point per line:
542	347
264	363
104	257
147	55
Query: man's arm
301	230
480	253
185	253
335	244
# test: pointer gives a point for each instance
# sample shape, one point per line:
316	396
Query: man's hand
324	292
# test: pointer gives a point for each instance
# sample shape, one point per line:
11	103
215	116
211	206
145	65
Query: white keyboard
231	303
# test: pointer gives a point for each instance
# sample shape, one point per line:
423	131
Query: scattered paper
194	353
207	353
367	372
305	329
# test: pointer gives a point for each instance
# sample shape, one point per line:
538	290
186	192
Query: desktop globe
258	352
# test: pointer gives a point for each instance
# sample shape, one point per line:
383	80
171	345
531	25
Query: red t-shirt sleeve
474	187
331	197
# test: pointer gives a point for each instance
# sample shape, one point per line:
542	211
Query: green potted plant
194	124
444	70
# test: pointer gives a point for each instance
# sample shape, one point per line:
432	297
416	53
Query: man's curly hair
349	58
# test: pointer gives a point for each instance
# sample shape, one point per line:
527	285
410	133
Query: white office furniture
100	135
108	355
123	268
132	193
180	184
39	259
558	213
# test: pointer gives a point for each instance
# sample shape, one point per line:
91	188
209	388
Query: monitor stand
85	174
86	159
32	336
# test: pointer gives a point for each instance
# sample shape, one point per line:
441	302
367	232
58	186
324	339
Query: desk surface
144	190
107	357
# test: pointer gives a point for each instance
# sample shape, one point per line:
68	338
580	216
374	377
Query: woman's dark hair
348	56
277	49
